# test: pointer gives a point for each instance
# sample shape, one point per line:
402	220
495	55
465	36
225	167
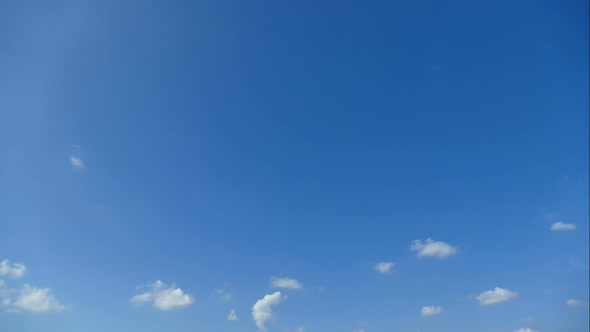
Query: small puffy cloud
498	295
574	303
561	226
232	316
430	248
286	283
37	300
162	296
526	330
16	270
429	311
77	162
262	309
384	267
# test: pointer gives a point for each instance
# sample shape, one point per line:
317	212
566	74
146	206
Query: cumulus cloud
498	295
262	309
162	296
429	311
232	316
526	330
574	303
430	248
561	226
37	300
286	283
16	270
384	267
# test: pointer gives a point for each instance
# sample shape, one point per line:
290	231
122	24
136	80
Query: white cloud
361	330
561	226
17	270
232	316
384	267
37	300
77	162
429	311
498	295
574	303
262	309
163	297
286	283
526	330
430	248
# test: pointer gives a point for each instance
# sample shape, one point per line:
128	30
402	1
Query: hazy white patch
574	303
232	315
429	311
526	330
561	226
498	295
384	267
162	296
430	248
286	283
16	270
577	265
37	300
262	309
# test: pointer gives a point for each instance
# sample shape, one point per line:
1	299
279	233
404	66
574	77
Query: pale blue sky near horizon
235	149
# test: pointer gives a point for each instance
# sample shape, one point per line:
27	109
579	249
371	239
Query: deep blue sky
215	145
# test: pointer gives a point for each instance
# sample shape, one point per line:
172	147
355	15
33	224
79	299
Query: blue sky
314	166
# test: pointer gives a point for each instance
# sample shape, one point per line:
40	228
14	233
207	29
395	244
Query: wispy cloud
495	296
429	311
286	283
75	158
561	226
162	296
431	248
574	303
526	330
262	309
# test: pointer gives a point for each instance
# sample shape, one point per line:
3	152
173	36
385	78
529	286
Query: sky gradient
302	166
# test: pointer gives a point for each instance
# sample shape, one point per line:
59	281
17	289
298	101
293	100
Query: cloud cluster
429	311
162	296
431	248
27	297
495	296
262	309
